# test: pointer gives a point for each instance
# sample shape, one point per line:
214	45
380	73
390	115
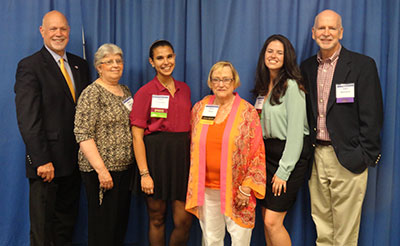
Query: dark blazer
46	111
354	128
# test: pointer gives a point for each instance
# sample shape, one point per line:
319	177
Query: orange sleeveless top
213	154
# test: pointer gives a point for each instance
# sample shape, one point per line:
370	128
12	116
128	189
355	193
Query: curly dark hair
289	70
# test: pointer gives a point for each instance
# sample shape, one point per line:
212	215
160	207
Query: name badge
128	102
259	104
209	114
159	106
345	93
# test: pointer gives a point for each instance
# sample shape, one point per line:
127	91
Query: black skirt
168	161
273	153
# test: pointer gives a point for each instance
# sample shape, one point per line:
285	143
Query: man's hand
46	172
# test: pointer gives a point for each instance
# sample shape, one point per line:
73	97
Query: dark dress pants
53	209
107	223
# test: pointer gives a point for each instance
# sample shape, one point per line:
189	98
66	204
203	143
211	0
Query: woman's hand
105	179
89	149
242	200
147	184
278	185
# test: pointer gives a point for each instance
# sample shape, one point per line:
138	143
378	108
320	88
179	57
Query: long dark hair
289	70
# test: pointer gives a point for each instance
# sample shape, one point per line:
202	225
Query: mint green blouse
286	121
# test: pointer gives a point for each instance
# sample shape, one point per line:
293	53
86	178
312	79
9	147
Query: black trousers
53	209
107	223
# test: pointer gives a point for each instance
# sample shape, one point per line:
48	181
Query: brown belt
323	142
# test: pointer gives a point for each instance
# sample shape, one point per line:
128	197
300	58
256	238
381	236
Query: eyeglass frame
225	81
112	61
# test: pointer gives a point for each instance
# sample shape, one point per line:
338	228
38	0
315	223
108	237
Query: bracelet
244	193
144	172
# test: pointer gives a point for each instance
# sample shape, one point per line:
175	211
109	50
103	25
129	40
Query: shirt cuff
139	123
82	137
282	174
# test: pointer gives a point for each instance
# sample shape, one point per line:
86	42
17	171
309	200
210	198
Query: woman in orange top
227	170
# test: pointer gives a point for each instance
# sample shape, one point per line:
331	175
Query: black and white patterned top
102	116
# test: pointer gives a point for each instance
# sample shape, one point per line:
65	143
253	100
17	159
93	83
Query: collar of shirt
331	59
161	87
56	56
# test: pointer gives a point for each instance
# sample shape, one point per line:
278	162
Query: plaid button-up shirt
326	69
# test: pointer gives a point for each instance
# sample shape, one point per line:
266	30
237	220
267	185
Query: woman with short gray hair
106	154
105	50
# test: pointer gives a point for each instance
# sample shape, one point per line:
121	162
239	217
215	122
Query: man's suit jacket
46	111
354	128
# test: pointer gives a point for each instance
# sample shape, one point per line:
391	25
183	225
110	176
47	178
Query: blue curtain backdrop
202	33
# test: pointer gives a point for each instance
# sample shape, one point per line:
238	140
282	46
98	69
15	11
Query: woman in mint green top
286	121
285	130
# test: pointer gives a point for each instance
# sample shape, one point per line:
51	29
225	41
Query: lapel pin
76	67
